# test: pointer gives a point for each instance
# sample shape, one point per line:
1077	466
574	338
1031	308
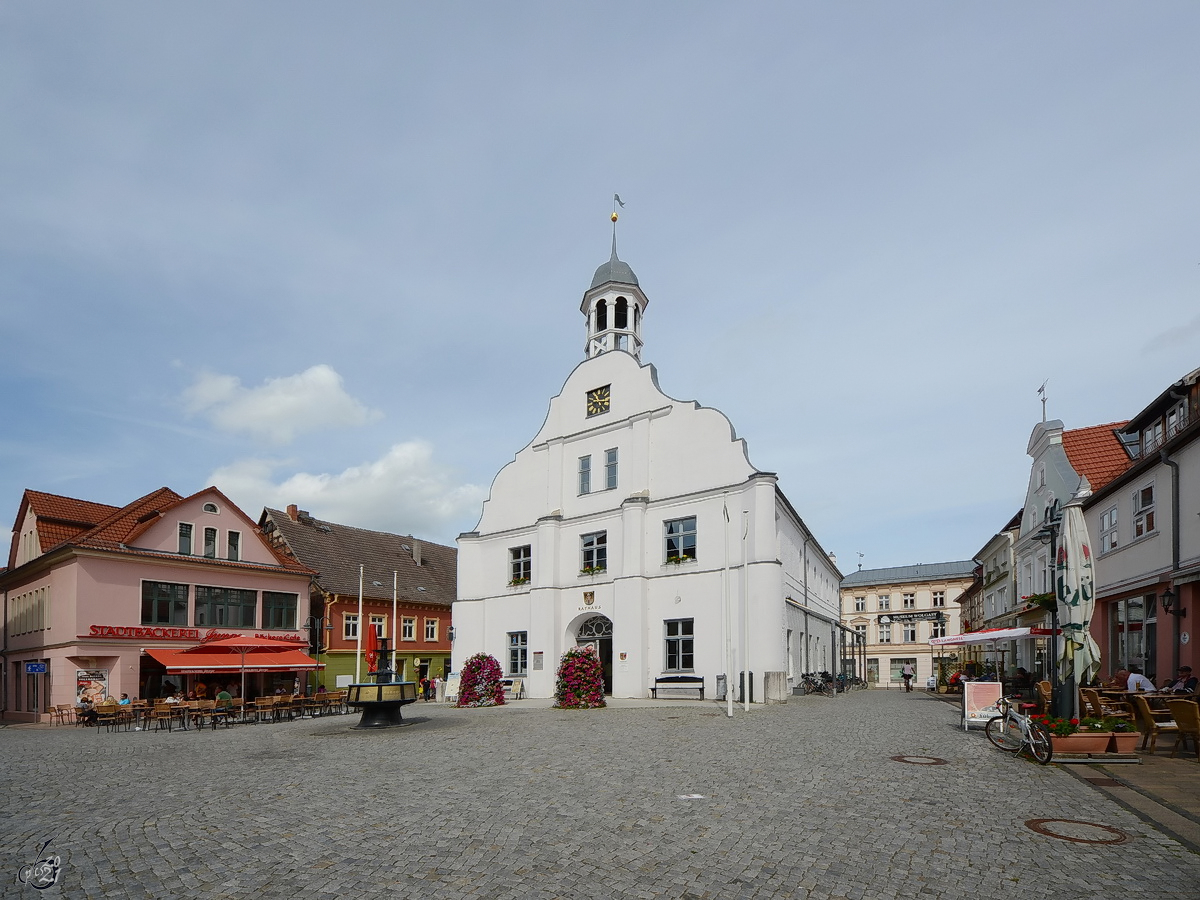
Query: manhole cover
920	760
1077	832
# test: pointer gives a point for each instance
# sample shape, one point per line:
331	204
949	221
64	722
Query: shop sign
136	632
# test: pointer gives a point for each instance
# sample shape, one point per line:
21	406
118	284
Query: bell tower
614	307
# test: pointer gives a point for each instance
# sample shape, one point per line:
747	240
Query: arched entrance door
598	631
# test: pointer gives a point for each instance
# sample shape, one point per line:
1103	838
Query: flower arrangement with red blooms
1060	727
580	682
1046	600
480	682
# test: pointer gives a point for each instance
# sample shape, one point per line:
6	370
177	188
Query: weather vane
1042	393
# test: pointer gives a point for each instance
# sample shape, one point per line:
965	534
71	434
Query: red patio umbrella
372	648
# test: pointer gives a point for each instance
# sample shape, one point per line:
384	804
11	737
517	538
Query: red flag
372	648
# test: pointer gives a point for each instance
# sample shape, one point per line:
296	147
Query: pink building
97	599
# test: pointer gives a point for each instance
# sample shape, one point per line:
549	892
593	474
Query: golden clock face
598	400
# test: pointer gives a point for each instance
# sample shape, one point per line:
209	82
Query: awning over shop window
180	662
989	636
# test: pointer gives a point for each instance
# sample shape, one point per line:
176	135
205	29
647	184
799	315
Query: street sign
35	668
912	617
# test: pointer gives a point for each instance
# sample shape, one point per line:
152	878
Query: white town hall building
636	522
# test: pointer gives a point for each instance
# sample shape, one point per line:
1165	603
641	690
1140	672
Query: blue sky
333	255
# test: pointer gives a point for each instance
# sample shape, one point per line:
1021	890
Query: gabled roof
59	519
336	551
97	526
1095	453
911	574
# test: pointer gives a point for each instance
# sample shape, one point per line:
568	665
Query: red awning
191	662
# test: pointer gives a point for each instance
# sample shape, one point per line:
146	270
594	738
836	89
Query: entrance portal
597	631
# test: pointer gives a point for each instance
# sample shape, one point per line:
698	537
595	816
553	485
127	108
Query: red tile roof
1095	453
80	523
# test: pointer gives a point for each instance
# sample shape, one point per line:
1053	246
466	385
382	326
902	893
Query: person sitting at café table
1183	683
224	700
171	698
1120	680
201	690
87	713
1137	681
124	701
1022	681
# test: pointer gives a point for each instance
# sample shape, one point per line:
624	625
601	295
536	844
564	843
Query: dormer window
1152	437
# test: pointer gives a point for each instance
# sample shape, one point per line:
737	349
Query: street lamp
1048	534
1168	603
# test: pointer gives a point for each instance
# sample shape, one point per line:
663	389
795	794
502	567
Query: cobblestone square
668	800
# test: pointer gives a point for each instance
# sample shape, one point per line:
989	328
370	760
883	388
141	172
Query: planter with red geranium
580	681
1075	735
1124	736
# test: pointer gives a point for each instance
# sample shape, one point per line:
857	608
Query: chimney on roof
416	552
293	512
833	558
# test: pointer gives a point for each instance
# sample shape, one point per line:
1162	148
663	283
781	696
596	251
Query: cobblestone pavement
800	800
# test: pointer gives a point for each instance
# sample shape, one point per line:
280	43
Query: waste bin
721	687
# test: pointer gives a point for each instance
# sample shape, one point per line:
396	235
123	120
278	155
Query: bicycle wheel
1004	733
1040	745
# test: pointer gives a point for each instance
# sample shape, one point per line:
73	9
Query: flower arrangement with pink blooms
580	682
480	684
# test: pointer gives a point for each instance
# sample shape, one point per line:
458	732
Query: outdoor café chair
59	714
1095	706
1153	721
1187	717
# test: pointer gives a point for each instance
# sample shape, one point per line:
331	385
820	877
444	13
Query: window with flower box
520	564
680	539
593	552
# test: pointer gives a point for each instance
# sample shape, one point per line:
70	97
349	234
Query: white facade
637	522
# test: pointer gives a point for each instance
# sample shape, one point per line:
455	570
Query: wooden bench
678	682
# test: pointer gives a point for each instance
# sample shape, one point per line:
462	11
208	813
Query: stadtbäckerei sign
141	632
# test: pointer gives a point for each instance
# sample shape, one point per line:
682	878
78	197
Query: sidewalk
1160	790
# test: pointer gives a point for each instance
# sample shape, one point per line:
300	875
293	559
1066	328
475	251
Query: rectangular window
937	629
520	564
1108	530
1143	511
910	632
898	666
861	631
680	539
231	607
185	538
350	626
518	652
909	601
860	604
408	628
279	609
594	548
585	475
679	636
164	603
1152	438
233	545
379	623
939	598
885	634
885	601
431	629
210	543
610	470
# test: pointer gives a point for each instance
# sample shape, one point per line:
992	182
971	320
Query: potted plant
1074	735
592	570
1124	737
480	682
580	680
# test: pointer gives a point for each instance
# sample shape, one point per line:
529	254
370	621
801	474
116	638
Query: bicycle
1011	731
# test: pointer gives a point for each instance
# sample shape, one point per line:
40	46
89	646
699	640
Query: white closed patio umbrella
1075	581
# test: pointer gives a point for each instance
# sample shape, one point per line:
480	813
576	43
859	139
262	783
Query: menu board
91	684
979	702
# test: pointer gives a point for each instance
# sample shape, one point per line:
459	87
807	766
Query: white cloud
279	410
404	491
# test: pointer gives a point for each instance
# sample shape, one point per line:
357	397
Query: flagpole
395	591
359	631
728	619
746	610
